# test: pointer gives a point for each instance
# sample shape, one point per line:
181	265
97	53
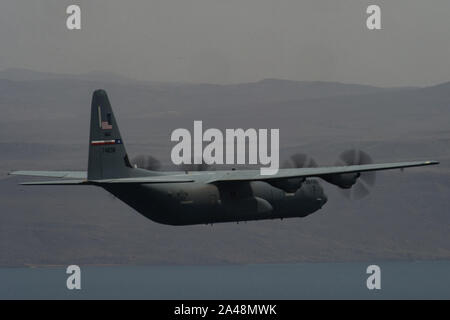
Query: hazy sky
227	41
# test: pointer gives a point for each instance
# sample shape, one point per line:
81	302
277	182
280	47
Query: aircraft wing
218	176
254	175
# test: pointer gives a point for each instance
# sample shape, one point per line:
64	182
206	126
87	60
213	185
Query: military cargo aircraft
207	197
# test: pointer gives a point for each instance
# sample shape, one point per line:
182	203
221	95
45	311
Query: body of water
399	280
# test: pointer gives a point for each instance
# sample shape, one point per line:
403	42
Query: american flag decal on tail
104	125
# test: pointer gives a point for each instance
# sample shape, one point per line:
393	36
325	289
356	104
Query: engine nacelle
287	185
343	180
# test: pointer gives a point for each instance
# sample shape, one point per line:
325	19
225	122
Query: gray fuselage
202	203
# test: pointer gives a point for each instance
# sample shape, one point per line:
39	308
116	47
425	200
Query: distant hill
17	74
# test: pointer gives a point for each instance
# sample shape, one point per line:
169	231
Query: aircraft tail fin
108	158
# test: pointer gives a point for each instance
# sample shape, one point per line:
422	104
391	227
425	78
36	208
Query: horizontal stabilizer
55	183
144	180
137	180
53	174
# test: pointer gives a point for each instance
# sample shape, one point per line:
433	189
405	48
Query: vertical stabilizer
107	155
